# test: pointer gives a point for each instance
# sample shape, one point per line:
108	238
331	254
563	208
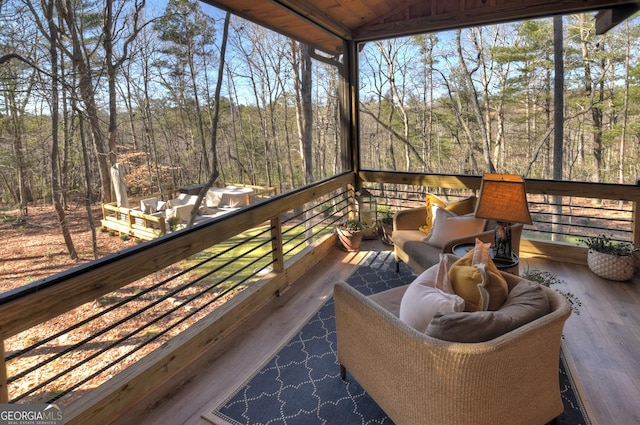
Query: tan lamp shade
503	198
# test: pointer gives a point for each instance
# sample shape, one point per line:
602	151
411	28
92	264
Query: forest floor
35	249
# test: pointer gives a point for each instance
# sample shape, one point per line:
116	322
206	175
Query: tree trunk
214	123
87	94
55	182
625	103
484	132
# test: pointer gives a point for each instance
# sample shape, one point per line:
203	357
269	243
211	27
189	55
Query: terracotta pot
349	240
609	266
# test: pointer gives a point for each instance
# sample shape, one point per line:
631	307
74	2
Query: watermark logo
31	414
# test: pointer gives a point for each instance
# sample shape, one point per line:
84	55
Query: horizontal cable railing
120	327
558	218
112	313
570	219
95	341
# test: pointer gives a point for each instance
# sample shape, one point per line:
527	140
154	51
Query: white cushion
421	302
149	206
447	225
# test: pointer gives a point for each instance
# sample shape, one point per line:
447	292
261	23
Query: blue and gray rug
301	384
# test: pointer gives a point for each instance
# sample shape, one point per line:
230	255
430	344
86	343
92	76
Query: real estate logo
31	414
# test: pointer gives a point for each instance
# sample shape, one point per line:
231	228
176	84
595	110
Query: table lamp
503	198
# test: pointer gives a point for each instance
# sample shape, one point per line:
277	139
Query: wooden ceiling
324	24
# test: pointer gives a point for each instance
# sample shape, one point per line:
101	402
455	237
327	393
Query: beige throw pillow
448	225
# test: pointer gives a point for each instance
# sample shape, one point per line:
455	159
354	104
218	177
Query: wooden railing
26	308
560	243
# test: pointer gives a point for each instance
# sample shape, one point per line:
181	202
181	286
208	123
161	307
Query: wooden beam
609	18
419	179
618	192
311	13
483	14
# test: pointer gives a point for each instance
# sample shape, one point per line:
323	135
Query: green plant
352	225
173	223
606	245
124	237
547	279
386	214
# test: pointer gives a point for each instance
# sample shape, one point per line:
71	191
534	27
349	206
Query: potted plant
350	234
609	259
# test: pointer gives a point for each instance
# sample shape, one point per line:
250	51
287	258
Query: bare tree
214	122
112	28
302	79
55	185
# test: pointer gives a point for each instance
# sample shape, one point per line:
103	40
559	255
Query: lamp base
502	245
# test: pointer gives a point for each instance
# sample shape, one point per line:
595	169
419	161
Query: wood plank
475	14
603	340
159	367
596	349
557	251
224	367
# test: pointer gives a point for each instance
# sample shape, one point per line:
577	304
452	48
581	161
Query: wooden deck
603	343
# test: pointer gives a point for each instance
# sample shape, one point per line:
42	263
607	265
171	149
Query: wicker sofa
417	379
410	245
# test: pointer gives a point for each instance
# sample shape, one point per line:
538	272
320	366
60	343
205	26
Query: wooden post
635	226
4	391
276	244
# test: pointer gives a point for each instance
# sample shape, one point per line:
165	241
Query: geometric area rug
300	384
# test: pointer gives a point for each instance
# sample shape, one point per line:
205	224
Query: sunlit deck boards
603	342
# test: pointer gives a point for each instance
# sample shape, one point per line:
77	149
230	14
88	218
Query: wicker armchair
410	246
417	379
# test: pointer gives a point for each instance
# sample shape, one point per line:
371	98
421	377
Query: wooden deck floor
603	343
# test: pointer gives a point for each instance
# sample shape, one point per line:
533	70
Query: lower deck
602	343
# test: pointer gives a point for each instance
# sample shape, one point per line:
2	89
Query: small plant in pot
610	259
350	234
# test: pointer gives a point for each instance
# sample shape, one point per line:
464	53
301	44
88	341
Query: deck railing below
172	298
